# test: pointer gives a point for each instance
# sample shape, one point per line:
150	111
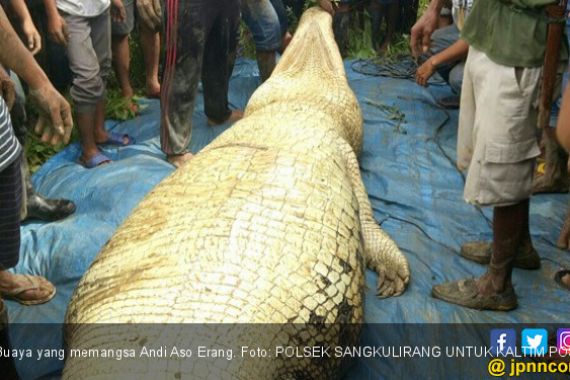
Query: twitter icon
534	342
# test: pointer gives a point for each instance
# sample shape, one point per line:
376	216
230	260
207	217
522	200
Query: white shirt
460	10
85	8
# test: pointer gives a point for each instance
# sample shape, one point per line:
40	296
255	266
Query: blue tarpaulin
408	169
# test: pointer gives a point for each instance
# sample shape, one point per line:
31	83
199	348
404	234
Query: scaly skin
270	223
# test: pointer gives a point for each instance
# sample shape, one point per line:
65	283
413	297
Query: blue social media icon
534	342
503	342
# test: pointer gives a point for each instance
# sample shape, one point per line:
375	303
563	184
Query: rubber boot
494	290
266	62
7	367
41	208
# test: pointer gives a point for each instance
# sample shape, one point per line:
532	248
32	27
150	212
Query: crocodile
268	230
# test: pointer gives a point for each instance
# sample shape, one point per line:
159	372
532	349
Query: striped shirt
9	146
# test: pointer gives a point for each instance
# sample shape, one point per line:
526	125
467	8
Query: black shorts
10	207
126	27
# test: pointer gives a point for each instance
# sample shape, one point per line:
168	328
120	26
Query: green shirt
511	32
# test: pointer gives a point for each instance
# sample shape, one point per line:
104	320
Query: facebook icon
503	341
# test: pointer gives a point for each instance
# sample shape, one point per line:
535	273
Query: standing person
36	206
122	26
55	125
201	41
84	27
497	139
341	11
389	11
267	21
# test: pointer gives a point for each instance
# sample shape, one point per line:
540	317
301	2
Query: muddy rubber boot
526	258
41	208
7	367
494	290
266	63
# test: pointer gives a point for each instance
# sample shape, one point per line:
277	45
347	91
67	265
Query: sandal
36	283
96	160
558	278
118	139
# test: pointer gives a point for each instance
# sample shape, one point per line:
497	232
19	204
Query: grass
359	46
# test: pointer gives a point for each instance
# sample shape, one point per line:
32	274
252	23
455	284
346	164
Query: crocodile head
314	78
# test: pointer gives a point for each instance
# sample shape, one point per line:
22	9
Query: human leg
121	56
9	371
392	11
501	155
22	288
185	37
219	58
264	24
121	64
150	41
88	86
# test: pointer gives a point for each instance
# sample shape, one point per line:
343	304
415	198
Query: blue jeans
267	22
452	73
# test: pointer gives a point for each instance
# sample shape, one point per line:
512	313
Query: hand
424	72
150	13
326	5
422	31
54	123
118	12
7	88
32	37
57	30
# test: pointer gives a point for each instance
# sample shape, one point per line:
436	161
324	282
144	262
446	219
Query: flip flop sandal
35	284
558	278
115	138
97	160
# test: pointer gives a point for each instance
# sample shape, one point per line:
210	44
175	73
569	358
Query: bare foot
179	159
93	158
234	116
153	90
383	48
25	288
103	138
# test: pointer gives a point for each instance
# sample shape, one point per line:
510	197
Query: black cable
401	67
